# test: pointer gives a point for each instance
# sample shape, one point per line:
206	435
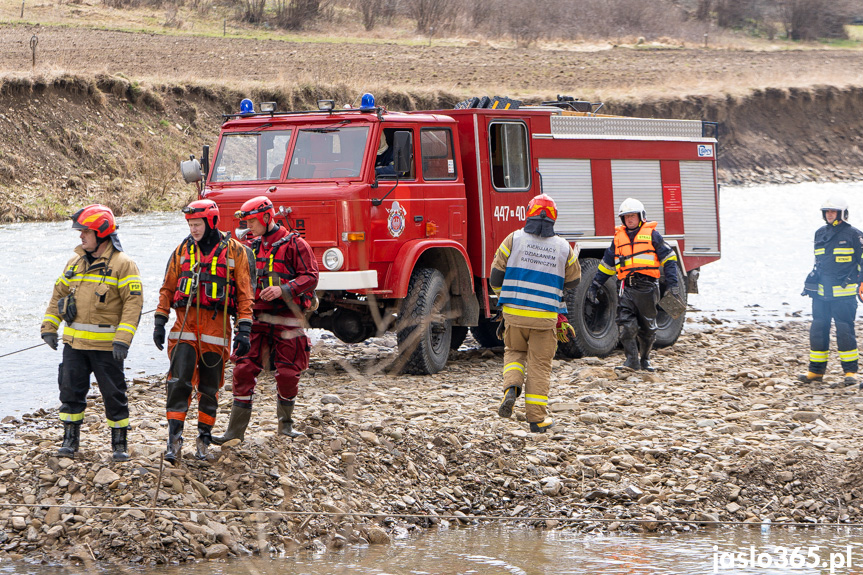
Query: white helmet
631	206
835	203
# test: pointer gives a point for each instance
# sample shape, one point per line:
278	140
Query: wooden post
225	27
22	8
34	40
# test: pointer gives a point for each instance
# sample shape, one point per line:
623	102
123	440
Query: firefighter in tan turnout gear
207	280
531	269
99	296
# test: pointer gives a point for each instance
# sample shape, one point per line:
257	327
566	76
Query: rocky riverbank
721	432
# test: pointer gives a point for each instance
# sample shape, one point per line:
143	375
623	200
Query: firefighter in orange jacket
287	275
636	254
207	280
99	297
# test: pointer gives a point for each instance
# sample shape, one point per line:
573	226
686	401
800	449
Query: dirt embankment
721	432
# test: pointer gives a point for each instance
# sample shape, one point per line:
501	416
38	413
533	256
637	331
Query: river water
766	254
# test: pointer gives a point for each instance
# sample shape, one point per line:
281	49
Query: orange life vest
636	255
213	283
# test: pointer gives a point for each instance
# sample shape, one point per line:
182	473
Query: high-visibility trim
119	423
496	290
127	327
843	251
839	291
843	259
176	415
71	417
52	319
95	278
530	312
188	336
243	397
571	260
670	258
532	399
513	366
850	355
605	269
63	280
124	281
206	419
504	250
818	356
819	251
95	328
94	335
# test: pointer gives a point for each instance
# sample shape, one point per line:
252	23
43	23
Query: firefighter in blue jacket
833	283
636	255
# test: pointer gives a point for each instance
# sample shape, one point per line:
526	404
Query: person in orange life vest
636	254
531	269
207	280
99	296
287	275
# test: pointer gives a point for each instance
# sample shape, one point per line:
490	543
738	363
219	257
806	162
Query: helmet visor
245	215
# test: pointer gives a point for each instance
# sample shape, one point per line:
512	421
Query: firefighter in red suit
207	280
287	275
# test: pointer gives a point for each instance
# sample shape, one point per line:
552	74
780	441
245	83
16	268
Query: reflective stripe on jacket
637	254
838	258
108	297
212	276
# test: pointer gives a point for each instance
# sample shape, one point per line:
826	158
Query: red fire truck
405	210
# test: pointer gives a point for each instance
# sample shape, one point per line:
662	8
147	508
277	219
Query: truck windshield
251	156
328	153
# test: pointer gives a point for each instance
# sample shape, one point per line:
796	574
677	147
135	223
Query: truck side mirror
402	152
191	170
205	161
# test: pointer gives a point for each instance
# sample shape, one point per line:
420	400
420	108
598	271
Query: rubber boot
810	377
630	349
119	444
71	439
644	348
542	426
175	441
284	410
508	401
240	416
205	438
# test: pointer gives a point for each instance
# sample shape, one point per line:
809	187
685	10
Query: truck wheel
459	333
425	325
595	330
485	333
668	328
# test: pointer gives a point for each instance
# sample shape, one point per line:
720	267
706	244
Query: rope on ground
426	516
43	343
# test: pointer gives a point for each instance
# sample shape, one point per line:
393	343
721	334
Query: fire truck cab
405	210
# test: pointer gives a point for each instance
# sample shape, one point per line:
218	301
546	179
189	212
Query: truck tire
425	325
485	333
595	329
668	328
459	334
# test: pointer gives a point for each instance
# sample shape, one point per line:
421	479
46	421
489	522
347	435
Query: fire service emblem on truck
396	220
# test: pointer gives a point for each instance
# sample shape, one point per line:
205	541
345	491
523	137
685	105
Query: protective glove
564	329
241	340
593	293
121	350
501	328
50	339
810	286
159	331
675	290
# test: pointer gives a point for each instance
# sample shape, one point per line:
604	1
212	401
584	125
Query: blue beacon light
367	102
247	107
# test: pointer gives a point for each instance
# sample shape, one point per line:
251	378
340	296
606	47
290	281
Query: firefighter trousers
842	311
636	311
527	358
182	380
284	350
74	380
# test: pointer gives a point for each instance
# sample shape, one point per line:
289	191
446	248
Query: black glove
159	331
593	293
50	339
241	340
810	285
121	350
675	290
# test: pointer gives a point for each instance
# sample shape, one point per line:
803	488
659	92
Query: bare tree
371	10
430	14
296	14
812	19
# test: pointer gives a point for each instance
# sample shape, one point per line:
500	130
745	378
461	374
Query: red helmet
95	217
204	209
257	207
542	203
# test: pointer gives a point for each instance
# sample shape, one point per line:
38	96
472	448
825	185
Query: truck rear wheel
595	330
668	328
485	333
425	325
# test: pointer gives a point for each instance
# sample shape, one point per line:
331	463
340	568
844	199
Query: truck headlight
333	259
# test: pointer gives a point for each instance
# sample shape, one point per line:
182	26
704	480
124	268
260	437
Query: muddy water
502	550
766	254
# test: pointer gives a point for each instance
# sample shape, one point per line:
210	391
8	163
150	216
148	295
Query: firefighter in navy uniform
833	285
531	269
99	297
636	255
206	281
287	275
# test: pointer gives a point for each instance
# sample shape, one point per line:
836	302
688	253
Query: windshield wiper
327	129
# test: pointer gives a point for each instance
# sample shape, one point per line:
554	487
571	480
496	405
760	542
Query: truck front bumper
333	281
